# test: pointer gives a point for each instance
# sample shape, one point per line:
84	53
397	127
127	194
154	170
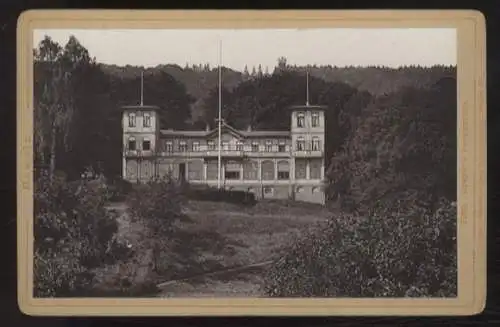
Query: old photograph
258	163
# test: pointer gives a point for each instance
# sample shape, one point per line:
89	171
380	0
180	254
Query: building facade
271	164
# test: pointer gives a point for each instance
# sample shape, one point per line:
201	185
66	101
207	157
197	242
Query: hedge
220	195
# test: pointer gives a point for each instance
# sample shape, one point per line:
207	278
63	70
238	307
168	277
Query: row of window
132	144
300	146
314	119
235	175
269	190
146	120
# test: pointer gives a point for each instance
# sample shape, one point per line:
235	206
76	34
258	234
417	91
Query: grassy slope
219	236
224	236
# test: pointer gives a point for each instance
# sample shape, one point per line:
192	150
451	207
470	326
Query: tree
404	141
282	64
160	89
254	73
259	71
53	100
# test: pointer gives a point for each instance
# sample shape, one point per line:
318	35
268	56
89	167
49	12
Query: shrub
408	252
220	195
158	206
119	189
72	234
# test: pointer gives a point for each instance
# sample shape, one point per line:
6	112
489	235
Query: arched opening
267	170
250	170
283	170
195	170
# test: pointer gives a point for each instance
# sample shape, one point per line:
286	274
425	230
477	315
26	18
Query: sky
390	47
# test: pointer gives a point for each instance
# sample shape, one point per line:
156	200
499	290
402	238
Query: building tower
308	144
140	129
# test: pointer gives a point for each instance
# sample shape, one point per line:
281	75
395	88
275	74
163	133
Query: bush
72	235
408	252
221	195
158	206
119	189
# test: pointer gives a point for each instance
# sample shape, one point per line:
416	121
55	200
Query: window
131	120
300	119
211	145
299	189
268	190
225	146
131	144
168	146
196	146
182	146
283	170
315	119
300	144
146	120
146	145
232	175
281	147
267	170
283	175
269	146
239	146
315	144
250	170
255	147
232	170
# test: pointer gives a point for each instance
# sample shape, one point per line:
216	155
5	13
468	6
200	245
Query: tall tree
259	71
254	72
282	64
53	99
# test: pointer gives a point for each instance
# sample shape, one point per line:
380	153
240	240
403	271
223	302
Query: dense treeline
394	180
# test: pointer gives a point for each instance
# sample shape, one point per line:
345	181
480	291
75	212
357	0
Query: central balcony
226	152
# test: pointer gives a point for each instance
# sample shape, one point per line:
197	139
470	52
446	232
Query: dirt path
237	282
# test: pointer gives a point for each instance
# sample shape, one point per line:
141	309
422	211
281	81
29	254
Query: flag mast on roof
307	87
220	117
142	88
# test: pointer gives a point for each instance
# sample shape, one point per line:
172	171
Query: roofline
140	107
208	133
308	106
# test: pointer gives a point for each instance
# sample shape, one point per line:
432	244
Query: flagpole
220	116
142	88
307	87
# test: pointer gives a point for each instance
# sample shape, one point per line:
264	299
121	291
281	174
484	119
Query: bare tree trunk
52	152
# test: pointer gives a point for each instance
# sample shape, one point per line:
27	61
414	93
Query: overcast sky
341	47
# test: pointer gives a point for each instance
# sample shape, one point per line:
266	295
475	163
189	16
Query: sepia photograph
264	163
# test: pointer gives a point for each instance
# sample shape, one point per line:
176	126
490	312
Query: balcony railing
308	153
226	152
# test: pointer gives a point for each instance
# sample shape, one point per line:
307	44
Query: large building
271	164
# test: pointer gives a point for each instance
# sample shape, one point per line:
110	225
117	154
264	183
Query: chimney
207	127
249	128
